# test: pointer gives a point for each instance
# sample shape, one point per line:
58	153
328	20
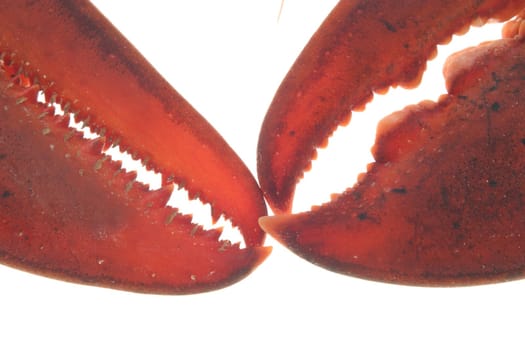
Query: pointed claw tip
279	204
265	222
273	224
262	254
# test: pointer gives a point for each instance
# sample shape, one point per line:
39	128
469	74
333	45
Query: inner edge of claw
330	173
201	213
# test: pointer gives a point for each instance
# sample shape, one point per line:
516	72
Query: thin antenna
280	11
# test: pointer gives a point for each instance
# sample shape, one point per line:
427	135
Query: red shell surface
67	210
443	203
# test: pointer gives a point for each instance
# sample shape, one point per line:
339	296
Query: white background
227	58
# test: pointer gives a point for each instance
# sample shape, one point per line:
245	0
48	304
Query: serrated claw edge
92	222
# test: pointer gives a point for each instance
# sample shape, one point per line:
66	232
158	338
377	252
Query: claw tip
273	224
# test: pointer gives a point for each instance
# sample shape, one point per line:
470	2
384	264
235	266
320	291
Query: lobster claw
66	209
342	66
442	203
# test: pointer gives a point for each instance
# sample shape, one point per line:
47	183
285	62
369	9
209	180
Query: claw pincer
442	204
66	209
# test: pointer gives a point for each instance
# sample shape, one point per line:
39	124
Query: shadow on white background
228	58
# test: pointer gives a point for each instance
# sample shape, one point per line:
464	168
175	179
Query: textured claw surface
362	47
69	212
66	209
82	60
443	203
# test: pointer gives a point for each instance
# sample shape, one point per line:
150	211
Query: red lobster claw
443	203
68	211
